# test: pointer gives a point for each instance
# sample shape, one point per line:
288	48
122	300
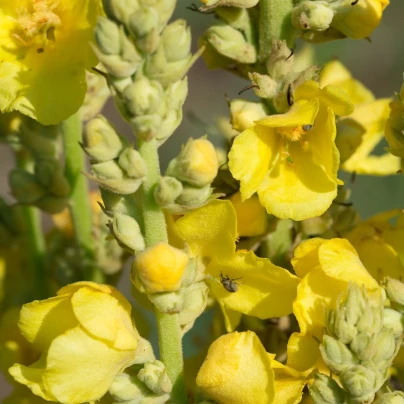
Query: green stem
79	204
169	332
275	23
36	238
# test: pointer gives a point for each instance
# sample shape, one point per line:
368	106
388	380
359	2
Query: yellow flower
358	135
264	289
291	159
251	216
44	51
326	268
160	268
358	20
380	244
237	370
86	337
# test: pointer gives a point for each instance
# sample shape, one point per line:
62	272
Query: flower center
35	25
294	133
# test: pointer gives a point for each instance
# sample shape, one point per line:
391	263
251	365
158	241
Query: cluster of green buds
187	181
359	347
11	222
42	181
146	61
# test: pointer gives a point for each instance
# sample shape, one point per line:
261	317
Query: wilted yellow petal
237	370
251	155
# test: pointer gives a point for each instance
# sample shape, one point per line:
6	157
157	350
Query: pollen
294	134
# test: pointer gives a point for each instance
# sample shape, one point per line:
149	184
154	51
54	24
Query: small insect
289	96
307	127
229	284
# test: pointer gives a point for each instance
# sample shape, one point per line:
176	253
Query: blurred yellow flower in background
44	52
86	337
291	159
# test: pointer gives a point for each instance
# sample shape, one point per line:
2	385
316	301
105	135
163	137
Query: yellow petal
42	321
300	113
80	368
265	290
74	287
211	230
337	74
232	318
330	96
103	316
251	156
297	190
305	256
303	352
237	370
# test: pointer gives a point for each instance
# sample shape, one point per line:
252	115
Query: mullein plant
305	299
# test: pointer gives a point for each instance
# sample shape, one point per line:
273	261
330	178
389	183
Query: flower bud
394	289
127	231
193	197
325	390
245	113
107	36
230	43
154	376
311	15
160	268
143	21
393	320
167	191
385	349
280	62
266	86
396	397
118	9
196	164
144	97
132	163
251	216
25	187
146	127
336	355
211	4
360	382
50	174
100	140
176	40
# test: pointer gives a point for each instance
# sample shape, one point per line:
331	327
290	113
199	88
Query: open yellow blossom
237	370
291	159
380	244
251	216
326	268
358	19
264	290
358	135
44	51
86	337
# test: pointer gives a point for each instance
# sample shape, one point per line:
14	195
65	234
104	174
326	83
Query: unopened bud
196	164
325	390
211	4
385	349
176	40
395	290
194	197
118	9
393	320
25	187
312	15
132	163
100	140
160	268
167	191
143	21
154	376
396	397
280	62
107	36
127	231
245	113
336	355
50	174
265	86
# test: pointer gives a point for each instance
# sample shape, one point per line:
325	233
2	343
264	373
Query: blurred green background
379	64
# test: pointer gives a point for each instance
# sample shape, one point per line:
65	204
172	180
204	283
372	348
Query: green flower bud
210	4
154	376
393	320
396	397
127	231
349	137
107	36
360	382
118	9
110	175
172	59
394	289
385	349
280	62
230	43
336	354
25	187
245	113
52	204
266	86
325	390
192	197
146	127
196	164
167	191
329	34
144	97
143	21
132	163
100	140
312	15
364	346
170	302
50	174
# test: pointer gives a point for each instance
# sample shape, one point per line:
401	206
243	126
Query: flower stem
275	23
79	204
169	332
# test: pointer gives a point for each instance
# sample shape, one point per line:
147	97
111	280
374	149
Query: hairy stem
169	332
